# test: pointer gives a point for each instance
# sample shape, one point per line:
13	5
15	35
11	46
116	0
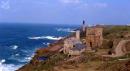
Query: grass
115	31
51	62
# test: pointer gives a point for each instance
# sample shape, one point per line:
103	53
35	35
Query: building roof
72	40
79	47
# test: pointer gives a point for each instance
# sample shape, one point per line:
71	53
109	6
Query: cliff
51	59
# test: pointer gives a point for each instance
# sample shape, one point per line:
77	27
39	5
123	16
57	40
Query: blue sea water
19	42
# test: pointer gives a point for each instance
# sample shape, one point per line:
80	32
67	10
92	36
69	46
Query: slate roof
73	41
79	47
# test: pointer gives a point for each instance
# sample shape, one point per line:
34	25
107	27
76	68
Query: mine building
94	36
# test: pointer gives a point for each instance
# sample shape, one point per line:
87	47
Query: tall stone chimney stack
78	34
83	26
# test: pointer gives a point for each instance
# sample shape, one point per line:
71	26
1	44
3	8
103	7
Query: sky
65	11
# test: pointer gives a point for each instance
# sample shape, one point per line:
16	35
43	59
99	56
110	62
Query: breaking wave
17	57
8	67
46	43
14	47
21	60
46	37
65	30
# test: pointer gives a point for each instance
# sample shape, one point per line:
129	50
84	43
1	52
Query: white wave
2	61
14	47
28	58
46	43
21	59
8	67
25	51
25	59
65	30
46	37
16	54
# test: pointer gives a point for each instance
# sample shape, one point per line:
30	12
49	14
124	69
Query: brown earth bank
97	66
89	60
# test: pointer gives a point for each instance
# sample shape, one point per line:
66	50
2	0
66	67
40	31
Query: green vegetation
51	62
115	31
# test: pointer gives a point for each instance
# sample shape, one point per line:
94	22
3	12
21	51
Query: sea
18	42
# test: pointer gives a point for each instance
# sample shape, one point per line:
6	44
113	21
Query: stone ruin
89	37
94	37
121	49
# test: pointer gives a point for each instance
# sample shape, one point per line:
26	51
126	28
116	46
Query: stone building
77	49
73	45
91	37
94	36
69	44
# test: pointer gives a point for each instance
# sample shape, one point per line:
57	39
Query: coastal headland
95	48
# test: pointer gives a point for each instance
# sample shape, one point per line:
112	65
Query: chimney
83	26
78	34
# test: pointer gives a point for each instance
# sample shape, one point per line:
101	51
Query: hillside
50	59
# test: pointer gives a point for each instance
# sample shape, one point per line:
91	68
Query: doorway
90	44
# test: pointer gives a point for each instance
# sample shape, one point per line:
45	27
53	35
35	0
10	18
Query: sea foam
46	37
46	43
25	59
8	67
65	30
14	47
